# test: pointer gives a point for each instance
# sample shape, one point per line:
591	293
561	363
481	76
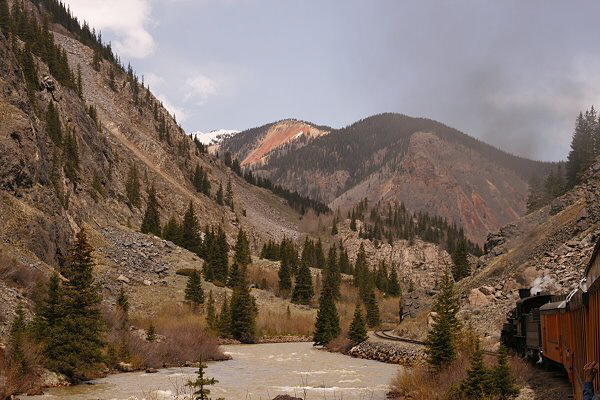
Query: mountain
214	137
422	163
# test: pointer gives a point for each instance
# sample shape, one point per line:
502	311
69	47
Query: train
563	330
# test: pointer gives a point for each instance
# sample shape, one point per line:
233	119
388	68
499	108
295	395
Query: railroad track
387	336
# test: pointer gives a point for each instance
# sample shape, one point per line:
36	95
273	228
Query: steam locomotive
563	330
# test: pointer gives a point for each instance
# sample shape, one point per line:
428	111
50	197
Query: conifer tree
201	382
502	378
440	342
4	18
193	290
243	313
198	179
334	227
353	222
190	230
373	318
327	324
151	221
73	346
16	360
358	331
285	275
478	384
242	249
225	319
211	318
220	258
71	156
123	306
79	82
234	276
393	285
460	257
303	289
220	200
344	261
53	125
319	255
229	195
332	278
132	186
151	333
360	266
172	231
581	155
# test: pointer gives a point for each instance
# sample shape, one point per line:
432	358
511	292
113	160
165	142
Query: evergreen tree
353	222
285	275
201	382
360	266
234	276
151	221
440	342
16	360
198	179
193	290
332	278
478	384
220	200
373	318
53	125
220	258
242	249
460	257
5	25
123	306
71	156
535	197
358	330
344	261
190	230
229	195
319	255
151	333
581	155
243	313
303	289
79	82
502	378
393	285
225	319
211	318
334	227
327	324
73	345
132	187
172	231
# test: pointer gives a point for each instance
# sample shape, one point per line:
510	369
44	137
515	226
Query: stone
477	298
123	278
286	397
147	282
430	318
151	370
125	367
35	392
53	379
487	290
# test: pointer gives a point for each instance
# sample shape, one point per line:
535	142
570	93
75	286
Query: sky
512	73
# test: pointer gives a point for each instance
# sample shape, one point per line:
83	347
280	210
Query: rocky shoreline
390	353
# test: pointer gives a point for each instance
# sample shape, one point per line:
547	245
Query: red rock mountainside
391	157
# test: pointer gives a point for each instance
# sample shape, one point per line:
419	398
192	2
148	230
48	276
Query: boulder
151	371
487	290
477	298
286	397
125	367
123	278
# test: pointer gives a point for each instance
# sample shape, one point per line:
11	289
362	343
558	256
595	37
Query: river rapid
255	372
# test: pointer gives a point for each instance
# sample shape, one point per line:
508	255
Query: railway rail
385	335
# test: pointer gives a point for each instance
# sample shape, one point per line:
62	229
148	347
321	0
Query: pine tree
344	261
360	266
79	82
229	195
334	227
478	384
502	378
285	275
211	318
353	222
358	330
201	383
132	187
73	346
53	125
16	359
319	255
581	155
220	258
172	231
242	249
151	221
190	230
235	274
373	318
151	333
332	278
243	313
440	342
193	290
535	198
225	320
71	156
327	324
393	285
220	200
303	289
123	306
460	258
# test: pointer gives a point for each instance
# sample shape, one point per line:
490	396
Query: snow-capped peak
214	137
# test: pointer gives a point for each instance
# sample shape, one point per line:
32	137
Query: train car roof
557	305
592	271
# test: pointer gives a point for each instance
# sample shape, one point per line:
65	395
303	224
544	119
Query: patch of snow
214	137
298	135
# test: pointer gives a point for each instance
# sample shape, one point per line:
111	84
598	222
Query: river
255	372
